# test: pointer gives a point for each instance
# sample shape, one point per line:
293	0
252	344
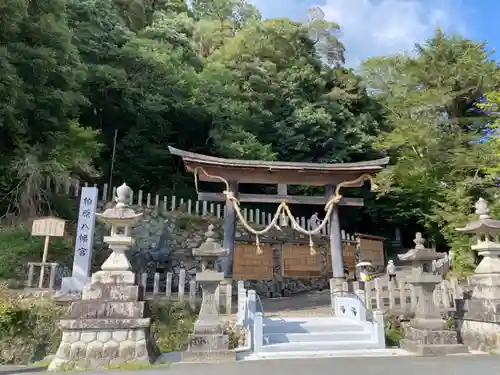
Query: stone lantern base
431	338
108	327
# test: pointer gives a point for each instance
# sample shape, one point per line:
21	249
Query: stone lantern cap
120	215
420	252
484	224
210	248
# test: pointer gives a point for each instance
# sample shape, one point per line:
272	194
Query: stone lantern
427	334
111	324
208	341
487	232
480	328
120	218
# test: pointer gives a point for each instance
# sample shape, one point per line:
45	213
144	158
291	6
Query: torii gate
236	171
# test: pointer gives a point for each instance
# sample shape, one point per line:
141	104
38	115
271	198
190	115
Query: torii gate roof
277	172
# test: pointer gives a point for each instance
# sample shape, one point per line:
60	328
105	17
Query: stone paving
451	365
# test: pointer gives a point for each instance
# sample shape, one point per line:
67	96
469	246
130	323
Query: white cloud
381	27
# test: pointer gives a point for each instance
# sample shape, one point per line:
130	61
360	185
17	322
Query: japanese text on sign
84	236
86	220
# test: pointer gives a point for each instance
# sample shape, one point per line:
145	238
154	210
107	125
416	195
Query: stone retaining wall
167	239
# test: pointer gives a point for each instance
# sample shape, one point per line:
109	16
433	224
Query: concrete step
320	346
310	325
276	338
326	354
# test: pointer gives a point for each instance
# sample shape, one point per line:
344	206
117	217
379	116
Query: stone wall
164	243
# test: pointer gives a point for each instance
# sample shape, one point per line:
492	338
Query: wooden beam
292	199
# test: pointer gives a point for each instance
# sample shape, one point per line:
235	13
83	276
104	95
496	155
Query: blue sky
381	27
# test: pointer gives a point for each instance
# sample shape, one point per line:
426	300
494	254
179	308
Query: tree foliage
436	133
216	78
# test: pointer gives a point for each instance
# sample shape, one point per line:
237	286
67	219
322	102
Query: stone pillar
336	240
111	324
209	343
427	334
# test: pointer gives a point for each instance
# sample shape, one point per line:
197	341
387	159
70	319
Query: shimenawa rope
283	210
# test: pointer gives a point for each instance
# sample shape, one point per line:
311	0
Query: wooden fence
401	298
184	291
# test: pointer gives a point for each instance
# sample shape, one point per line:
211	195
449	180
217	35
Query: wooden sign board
48	226
371	250
248	265
298	261
349	248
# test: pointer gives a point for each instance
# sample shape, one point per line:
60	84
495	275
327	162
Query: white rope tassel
311	246
257	243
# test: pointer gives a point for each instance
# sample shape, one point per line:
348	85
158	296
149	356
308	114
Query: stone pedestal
108	327
432	342
480	329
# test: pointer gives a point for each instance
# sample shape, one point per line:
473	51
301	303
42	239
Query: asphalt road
450	365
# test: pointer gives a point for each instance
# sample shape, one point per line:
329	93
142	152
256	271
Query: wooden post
229	233
44	259
335	239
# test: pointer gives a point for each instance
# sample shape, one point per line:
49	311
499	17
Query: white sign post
84	241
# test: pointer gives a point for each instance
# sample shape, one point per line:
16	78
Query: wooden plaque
298	261
248	265
371	250
48	226
349	248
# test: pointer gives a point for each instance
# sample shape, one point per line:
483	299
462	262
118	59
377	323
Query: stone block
487	310
482	336
95	352
94	309
431	337
114	277
137	334
427	350
208	343
104	336
110	350
112	292
208	348
78	351
127	350
64	350
104	324
70	336
88	336
125	309
120	335
87	309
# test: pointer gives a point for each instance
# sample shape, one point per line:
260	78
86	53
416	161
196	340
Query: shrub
28	327
172	325
394	331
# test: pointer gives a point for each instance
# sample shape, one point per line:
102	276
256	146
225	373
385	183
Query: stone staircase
316	334
348	333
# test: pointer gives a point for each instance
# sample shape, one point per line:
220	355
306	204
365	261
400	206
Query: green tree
283	102
40	96
431	101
